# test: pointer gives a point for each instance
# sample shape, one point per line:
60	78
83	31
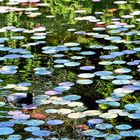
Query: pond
69	69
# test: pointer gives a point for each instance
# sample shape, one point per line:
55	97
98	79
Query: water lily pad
61	61
6	124
34	139
124	77
84	81
123	127
10	86
95	47
92	112
74	104
38	37
119	62
108	77
94	133
120	2
115	104
131	107
129	52
71	64
60	102
55	122
52	92
137	133
64	111
14	137
75	48
58	55
72	97
117	54
31	129
71	44
15	96
34	122
103	126
41	133
108	115
15	112
87	68
128	133
2	104
27	56
58	66
110	47
61	88
92	122
109	56
115	110
113	38
105	63
134	116
43	72
123	91
77	57
136	83
122	70
52	111
21	88
98	28
69	84
21	116
6	131
132	63
77	115
103	73
5	48
132	87
121	82
86	75
26	84
29	107
113	137
19	50
87	53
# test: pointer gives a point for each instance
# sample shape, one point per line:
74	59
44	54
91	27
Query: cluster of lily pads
115	62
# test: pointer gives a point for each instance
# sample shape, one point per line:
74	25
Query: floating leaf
74	104
86	75
113	137
41	133
108	115
55	122
103	126
77	115
84	81
72	97
51	111
34	139
34	122
6	131
92	112
123	127
14	137
64	111
94	133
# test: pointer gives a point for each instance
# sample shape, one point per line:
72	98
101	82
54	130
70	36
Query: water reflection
80	59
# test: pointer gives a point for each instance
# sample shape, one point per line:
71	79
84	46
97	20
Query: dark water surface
80	60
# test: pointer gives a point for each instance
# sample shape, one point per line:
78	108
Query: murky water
80	60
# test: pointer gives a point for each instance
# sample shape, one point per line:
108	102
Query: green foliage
104	88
